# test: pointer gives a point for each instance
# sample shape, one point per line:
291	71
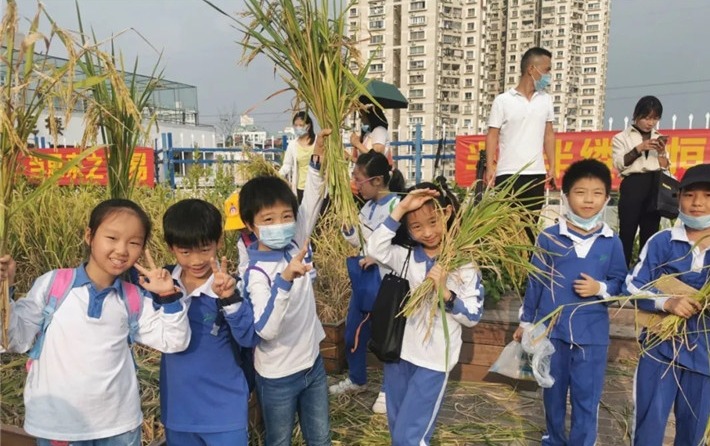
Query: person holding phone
638	152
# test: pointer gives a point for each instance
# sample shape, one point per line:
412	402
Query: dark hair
375	117
309	122
648	106
586	168
262	192
375	164
192	223
531	53
113	206
446	197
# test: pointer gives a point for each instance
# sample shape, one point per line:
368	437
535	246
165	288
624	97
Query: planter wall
332	348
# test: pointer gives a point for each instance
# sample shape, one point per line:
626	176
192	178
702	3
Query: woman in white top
298	153
373	134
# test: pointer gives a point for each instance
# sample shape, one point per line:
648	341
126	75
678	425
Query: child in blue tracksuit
416	384
379	186
203	390
676	372
290	377
582	261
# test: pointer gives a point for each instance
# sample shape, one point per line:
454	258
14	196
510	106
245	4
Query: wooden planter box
332	348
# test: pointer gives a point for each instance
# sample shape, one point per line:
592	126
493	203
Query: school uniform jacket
285	312
670	252
417	347
83	386
203	389
564	255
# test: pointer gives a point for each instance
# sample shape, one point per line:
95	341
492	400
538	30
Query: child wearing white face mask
298	153
290	373
582	260
676	373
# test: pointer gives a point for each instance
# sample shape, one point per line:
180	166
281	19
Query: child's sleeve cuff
392	224
282	283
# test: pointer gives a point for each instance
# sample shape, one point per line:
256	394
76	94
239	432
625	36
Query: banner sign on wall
91	170
685	148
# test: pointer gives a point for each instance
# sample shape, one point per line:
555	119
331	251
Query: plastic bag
539	346
513	362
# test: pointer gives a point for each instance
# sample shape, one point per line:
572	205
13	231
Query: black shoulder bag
387	323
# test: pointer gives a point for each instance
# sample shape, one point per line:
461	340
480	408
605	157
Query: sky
654	49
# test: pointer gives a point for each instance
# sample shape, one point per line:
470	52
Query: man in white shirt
520	130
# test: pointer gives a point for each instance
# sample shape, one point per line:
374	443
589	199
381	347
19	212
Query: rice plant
307	43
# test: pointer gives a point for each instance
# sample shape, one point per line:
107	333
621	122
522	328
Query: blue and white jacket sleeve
164	326
240	317
270	303
467	307
26	315
536	285
647	270
380	247
613	283
309	210
351	236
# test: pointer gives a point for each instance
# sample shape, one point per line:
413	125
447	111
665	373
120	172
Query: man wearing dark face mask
520	131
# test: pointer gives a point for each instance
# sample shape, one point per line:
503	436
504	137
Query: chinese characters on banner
91	170
685	148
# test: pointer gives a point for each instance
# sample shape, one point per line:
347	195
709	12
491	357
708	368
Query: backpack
244	356
62	280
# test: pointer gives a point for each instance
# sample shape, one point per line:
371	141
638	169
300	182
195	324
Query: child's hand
354	139
223	283
156	280
296	268
367	262
518	335
319	149
8	267
682	306
587	286
413	201
438	275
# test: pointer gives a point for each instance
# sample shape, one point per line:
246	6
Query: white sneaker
380	405
344	386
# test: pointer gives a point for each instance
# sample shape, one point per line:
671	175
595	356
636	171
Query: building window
468	96
379	38
416	79
415	50
590	70
587	122
593	5
593	17
468	82
377	68
592	38
376	54
588	91
470	54
377	10
558	66
416	35
451	40
417	93
416	107
417	6
593	28
377	24
416	64
353	12
417	20
470	40
471	26
591	49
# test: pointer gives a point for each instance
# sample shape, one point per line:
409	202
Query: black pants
531	198
635	195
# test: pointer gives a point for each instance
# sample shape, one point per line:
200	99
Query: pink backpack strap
61	283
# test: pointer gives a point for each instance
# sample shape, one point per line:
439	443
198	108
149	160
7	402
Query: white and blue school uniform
415	385
83	386
286	321
372	214
581	334
203	390
674	372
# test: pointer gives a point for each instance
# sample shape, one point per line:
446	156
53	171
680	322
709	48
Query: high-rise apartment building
452	57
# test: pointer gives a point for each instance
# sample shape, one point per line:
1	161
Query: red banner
685	148
91	170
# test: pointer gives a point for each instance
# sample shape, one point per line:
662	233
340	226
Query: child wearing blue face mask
298	153
581	261
290	374
676	372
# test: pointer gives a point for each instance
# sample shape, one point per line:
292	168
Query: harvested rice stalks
255	166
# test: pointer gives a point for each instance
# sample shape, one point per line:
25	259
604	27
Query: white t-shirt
522	130
378	135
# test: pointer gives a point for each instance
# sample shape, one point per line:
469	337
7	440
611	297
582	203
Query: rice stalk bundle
307	43
490	234
255	166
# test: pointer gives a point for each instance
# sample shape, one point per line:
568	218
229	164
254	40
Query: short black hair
262	192
648	106
531	53
192	223
586	168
